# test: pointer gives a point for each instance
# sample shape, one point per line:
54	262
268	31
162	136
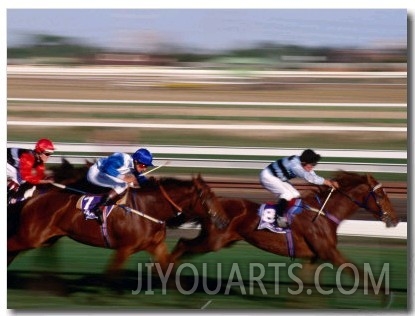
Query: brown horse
314	239
137	224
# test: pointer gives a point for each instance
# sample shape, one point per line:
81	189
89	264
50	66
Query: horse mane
67	173
347	179
169	181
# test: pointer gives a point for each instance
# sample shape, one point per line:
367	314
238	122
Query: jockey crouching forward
275	177
117	172
26	169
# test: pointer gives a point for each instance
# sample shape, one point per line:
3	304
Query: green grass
68	276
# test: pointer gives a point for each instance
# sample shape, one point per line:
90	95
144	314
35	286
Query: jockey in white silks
275	177
117	172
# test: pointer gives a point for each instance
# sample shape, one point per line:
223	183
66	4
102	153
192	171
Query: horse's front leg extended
185	246
161	256
11	255
163	267
205	242
118	259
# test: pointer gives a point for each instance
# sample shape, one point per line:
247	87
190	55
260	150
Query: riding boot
282	205
281	219
107	199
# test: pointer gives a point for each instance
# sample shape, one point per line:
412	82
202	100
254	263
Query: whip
154	169
321	210
62	186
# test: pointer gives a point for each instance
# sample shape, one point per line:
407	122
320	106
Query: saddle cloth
87	202
268	216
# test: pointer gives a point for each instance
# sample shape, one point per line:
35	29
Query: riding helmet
143	156
44	145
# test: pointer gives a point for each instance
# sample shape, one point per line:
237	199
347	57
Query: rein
369	195
362	205
168	198
204	201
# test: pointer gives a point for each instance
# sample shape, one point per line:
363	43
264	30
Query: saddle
87	202
278	220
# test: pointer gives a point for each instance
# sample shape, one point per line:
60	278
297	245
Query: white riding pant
281	189
105	180
13	174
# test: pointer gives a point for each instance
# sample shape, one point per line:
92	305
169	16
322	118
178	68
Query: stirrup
99	214
282	221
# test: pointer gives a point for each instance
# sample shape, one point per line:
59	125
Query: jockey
117	172
28	166
275	177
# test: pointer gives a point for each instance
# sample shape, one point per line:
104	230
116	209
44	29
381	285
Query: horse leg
118	259
14	246
205	242
11	255
161	256
113	276
164	267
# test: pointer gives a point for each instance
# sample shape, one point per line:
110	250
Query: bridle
178	208
204	199
383	215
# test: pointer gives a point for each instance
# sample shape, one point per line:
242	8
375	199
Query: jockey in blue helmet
142	159
117	172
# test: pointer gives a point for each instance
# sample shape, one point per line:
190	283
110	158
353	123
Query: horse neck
164	202
180	198
341	205
191	202
150	202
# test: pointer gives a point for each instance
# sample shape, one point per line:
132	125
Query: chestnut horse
137	224
314	239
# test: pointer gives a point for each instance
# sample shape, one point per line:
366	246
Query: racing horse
313	233
135	225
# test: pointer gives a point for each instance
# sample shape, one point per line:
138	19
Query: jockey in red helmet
27	166
44	145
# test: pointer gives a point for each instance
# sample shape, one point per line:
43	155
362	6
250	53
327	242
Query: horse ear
66	163
370	179
88	163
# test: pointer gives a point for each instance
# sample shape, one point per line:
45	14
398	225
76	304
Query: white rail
347	228
241	127
98	150
223	103
372	229
174	72
357	228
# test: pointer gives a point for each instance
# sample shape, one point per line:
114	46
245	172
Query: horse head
66	173
208	198
380	205
366	192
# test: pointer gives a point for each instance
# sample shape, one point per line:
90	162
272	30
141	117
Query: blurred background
222	92
261	71
267	38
